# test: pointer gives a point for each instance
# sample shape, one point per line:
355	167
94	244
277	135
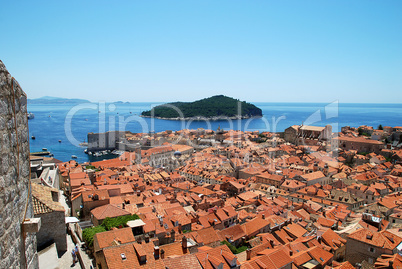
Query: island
56	100
213	108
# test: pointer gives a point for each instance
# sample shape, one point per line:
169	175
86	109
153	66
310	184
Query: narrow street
48	257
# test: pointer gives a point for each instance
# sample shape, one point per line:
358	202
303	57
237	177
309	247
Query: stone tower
17	237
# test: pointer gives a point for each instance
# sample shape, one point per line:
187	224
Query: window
371	250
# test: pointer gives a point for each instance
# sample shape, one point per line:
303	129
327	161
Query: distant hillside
56	100
215	107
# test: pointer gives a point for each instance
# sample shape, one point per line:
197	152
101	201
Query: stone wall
53	229
357	251
17	250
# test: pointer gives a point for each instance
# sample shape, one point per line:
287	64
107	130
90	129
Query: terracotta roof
314	175
234	233
275	259
332	239
208	235
320	255
383	262
383	239
126	256
108	210
42	199
295	230
183	262
112	238
173	249
254	226
210	259
88	196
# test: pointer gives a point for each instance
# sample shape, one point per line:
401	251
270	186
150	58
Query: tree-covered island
212	108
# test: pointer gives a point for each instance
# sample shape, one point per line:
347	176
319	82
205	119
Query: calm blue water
57	122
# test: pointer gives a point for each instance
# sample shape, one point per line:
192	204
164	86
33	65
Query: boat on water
59	141
73	157
44	149
117	152
33	137
30	116
83	144
40	153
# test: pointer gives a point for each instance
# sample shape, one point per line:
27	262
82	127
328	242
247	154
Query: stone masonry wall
53	229
17	250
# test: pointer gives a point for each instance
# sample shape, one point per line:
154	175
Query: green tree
89	233
218	105
233	249
109	223
380	127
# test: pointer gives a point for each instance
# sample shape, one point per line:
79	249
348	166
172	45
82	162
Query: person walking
76	252
74	256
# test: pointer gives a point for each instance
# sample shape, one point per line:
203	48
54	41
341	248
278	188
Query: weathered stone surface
15	252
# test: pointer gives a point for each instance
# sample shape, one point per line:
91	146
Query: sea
62	127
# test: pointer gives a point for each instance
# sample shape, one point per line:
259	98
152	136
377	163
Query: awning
71	220
135	223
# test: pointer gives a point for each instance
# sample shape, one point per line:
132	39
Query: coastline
201	118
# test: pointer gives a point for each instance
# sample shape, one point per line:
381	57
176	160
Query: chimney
263	216
248	253
184	244
319	239
271	242
173	235
290	253
124	205
179	228
156	252
162	254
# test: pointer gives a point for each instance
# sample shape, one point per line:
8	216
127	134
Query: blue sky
266	51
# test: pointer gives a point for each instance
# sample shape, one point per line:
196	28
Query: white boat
73	157
44	149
